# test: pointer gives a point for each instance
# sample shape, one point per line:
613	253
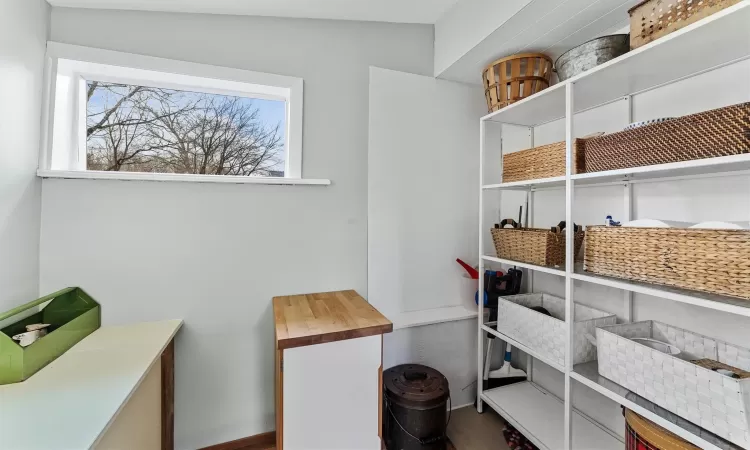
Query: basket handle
561	227
510	222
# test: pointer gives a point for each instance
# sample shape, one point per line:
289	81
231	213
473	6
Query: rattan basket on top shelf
545	161
718	132
514	78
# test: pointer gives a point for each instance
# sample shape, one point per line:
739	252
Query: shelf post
480	283
627	215
569	262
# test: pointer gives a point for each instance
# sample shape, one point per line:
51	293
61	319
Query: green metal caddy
72	315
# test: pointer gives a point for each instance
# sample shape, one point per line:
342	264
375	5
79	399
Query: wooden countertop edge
304	341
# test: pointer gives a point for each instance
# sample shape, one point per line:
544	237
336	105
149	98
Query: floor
469	430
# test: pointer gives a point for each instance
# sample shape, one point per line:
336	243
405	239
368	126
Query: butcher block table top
310	319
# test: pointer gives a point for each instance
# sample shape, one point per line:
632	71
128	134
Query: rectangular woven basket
547	334
715	261
545	161
652	19
538	246
718	403
719	132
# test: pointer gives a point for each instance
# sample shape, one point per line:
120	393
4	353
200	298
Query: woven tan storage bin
545	161
652	19
719	132
514	78
538	246
715	261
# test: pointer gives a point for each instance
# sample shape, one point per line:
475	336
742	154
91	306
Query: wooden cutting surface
325	317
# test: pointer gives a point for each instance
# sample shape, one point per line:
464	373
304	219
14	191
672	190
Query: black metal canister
414	408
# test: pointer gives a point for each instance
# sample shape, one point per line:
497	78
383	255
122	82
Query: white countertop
69	404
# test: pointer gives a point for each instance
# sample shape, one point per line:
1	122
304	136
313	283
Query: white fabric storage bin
547	334
715	402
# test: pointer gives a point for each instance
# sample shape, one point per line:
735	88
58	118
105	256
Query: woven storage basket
642	434
715	261
652	19
514	78
547	334
715	402
719	132
545	161
539	246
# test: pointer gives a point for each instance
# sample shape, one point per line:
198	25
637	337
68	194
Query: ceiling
400	11
547	26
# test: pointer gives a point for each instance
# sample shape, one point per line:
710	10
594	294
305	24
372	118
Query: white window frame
82	63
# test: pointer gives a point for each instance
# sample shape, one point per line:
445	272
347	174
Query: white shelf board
588	374
539	416
432	316
524	348
717	40
683	169
551	270
528	184
705	300
542	107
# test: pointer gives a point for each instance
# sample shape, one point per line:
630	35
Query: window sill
433	316
184	178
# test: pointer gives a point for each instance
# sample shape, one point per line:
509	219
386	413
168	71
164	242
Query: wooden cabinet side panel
380	392
279	400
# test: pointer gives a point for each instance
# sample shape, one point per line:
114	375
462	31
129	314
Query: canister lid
415	386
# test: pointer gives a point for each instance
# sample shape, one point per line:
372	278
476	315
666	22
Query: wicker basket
719	132
547	334
715	402
545	161
540	246
514	78
652	19
642	434
715	261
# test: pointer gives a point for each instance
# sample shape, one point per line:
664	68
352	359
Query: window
151	129
119	115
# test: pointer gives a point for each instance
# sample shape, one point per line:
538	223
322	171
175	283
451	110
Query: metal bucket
415	416
590	54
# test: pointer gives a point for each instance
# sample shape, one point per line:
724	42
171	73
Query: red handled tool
473	273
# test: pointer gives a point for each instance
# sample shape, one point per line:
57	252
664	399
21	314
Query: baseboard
453	408
262	441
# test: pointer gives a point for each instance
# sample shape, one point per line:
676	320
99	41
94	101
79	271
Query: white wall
422	203
24	27
466	24
725	198
214	254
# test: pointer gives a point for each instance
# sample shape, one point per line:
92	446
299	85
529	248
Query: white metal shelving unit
553	423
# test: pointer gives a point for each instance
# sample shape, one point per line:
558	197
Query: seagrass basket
719	132
714	261
652	19
540	246
545	161
514	78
